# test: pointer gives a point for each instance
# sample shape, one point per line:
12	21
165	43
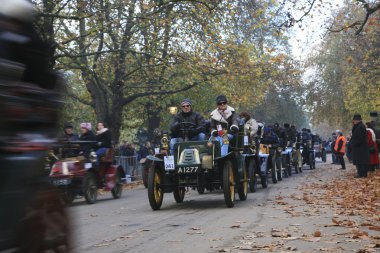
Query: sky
303	39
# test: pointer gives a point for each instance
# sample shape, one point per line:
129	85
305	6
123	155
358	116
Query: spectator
333	156
145	151
373	148
359	144
339	149
348	150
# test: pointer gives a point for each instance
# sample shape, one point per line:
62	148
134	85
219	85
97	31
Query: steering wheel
185	127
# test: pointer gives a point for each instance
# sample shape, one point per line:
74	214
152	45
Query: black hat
357	117
186	101
286	125
68	125
221	99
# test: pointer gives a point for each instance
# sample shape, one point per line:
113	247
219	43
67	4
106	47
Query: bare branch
133	97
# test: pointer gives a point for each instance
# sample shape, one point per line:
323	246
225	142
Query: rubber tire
311	163
45	210
252	176
200	187
228	184
179	194
243	186
264	181
324	156
68	196
155	194
118	189
145	173
274	172
279	168
90	188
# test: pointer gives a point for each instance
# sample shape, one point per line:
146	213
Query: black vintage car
200	165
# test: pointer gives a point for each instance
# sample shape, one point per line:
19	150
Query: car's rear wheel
179	194
69	196
279	168
311	161
118	189
229	184
252	176
90	189
155	192
273	171
324	156
243	185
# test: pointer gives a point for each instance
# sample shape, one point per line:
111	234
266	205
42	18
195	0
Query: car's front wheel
229	184
118	189
155	192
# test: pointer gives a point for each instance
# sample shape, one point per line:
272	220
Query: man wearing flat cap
196	132
358	142
223	119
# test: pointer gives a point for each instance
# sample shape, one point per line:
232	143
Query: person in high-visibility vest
340	149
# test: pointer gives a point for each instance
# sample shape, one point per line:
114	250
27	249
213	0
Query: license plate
189	169
62	182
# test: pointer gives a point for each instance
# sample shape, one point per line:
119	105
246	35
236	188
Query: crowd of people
361	147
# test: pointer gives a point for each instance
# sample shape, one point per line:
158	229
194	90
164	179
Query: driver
187	115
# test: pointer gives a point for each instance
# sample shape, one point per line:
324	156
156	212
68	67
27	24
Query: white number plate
245	140
62	182
190	169
169	162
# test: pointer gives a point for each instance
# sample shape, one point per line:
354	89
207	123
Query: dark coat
358	142
104	139
86	147
191	117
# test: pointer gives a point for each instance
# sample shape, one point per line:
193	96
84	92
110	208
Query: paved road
201	224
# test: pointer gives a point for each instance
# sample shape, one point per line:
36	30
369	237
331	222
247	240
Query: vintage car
200	165
81	176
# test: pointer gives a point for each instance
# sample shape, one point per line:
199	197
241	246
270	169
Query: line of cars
194	164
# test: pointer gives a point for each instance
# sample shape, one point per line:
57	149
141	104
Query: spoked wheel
118	189
229	184
45	227
145	173
274	172
323	155
243	185
279	168
179	194
90	188
311	161
69	196
252	176
155	192
200	187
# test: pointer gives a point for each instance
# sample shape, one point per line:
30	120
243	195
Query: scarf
101	131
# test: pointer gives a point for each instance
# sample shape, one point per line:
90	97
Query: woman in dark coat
358	142
86	135
103	137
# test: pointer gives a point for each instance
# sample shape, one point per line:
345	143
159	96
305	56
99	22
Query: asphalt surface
203	223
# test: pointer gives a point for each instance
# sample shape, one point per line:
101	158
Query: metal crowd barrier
131	166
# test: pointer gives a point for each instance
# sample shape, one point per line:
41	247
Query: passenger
187	115
69	134
281	134
270	137
87	135
223	122
250	127
103	137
